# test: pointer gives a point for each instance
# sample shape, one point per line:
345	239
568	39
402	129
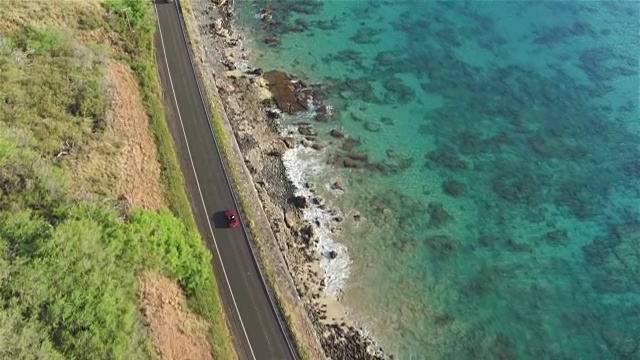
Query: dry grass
139	170
177	333
83	17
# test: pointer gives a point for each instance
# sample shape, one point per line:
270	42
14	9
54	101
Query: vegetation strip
140	17
69	248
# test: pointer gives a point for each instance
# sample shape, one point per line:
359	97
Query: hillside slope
95	227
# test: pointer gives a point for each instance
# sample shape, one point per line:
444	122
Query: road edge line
272	301
164	53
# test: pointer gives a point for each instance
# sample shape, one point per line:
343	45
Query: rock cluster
344	342
290	96
253	101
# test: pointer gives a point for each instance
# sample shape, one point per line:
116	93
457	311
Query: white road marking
244	330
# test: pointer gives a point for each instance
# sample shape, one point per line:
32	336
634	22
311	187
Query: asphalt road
258	333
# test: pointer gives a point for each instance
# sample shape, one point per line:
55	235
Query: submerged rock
438	216
453	188
307	130
336	133
442	244
515	188
351	163
372	126
399	92
557	237
387	120
350	143
395	162
358	156
446	158
325	113
272	41
318	146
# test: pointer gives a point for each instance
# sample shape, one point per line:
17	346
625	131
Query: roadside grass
223	142
136	23
69	249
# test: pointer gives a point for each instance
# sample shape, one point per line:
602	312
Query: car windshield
231	217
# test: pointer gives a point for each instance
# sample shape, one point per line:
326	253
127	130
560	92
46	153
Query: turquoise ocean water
503	218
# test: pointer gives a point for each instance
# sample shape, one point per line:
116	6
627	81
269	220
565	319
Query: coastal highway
258	330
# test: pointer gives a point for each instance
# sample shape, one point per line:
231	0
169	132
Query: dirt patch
139	170
176	333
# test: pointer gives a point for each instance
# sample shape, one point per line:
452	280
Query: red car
232	219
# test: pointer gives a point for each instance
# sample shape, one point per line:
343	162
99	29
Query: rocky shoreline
249	98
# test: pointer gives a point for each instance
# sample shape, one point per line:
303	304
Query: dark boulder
300	202
256	71
336	133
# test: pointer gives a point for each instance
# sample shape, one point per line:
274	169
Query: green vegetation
136	21
70	250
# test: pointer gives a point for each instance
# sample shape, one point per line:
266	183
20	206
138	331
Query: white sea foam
301	165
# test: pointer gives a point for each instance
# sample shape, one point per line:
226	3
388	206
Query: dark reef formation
507	136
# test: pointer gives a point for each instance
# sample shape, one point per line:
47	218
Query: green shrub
72	276
51	42
178	251
135	21
67	280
